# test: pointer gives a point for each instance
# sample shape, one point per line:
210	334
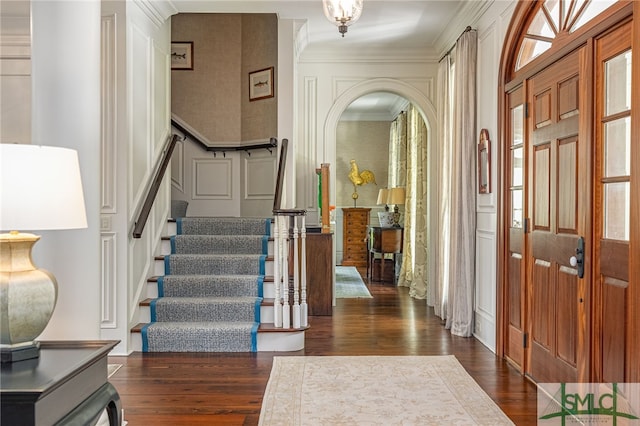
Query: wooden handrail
161	168
273	142
277	199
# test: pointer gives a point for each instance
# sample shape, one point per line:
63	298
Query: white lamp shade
40	188
382	196
342	12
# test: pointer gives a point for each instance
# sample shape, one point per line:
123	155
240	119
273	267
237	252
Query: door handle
578	259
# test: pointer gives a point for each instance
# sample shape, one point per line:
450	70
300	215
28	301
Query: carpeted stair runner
210	296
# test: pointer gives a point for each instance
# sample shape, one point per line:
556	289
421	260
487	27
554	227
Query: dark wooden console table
66	385
382	241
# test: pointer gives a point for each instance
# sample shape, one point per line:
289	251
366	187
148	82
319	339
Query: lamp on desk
396	196
40	189
385	217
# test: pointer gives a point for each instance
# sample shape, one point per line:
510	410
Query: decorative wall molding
310	145
108	287
211	179
139	111
158	11
108	89
260	177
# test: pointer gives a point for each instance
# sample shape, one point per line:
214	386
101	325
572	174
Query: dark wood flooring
226	389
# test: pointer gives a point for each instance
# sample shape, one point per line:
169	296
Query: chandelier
342	12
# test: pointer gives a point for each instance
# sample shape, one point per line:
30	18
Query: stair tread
265	328
155	278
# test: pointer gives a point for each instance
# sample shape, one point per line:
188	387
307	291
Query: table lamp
386	217
40	189
396	196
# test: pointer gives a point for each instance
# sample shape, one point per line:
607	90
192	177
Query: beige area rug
375	390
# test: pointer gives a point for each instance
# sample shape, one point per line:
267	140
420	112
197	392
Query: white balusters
286	311
304	310
277	248
290	247
296	275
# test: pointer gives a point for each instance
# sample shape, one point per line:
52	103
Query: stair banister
160	169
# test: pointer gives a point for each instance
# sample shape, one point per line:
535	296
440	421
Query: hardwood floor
226	389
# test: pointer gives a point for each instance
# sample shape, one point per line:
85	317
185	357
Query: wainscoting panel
307	192
108	94
260	178
108	318
211	179
15	73
485	303
140	115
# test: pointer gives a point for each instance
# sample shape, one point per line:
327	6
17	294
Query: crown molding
467	14
158	11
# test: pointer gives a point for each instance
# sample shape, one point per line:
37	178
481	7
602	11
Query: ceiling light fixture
342	12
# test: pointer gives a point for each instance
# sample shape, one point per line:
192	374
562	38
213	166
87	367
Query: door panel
612	215
555	148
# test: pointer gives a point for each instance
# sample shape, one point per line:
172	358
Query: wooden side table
383	241
66	385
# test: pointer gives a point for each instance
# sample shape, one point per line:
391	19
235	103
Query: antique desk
382	241
66	385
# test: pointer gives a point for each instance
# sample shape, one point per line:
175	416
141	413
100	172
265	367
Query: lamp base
20	353
27	298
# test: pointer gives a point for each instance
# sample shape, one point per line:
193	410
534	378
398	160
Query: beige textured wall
367	142
213	97
259	51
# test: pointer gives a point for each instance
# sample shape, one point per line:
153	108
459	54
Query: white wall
491	28
66	112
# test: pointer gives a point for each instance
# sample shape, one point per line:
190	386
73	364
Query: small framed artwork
484	163
261	84
181	55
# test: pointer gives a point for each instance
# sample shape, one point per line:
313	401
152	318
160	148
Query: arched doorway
426	110
567	294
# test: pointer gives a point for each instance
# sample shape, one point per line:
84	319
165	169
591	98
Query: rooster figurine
359	178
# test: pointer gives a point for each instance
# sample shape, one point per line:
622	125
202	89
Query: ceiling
419	27
387	29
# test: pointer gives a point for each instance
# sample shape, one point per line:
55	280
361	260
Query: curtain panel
453	294
463	191
439	291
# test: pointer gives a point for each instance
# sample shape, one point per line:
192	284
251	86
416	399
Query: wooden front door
558	219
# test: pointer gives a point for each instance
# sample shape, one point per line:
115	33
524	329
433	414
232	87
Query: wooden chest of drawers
354	235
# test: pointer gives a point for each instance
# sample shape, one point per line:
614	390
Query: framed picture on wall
181	55
261	84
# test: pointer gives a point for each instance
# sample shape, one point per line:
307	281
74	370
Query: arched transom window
555	17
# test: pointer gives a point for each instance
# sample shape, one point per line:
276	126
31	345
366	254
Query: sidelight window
616	135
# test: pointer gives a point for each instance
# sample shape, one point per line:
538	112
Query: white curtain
463	190
413	272
439	291
456	266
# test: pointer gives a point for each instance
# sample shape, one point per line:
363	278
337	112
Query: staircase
214	291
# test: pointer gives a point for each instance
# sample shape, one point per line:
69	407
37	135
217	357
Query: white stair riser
281	342
266	314
267	341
